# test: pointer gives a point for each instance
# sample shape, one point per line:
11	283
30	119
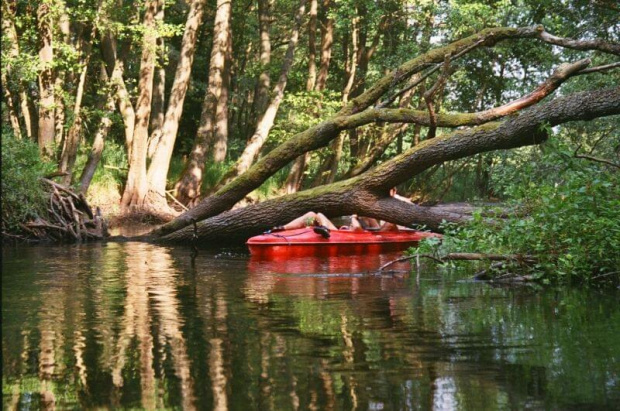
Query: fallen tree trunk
368	194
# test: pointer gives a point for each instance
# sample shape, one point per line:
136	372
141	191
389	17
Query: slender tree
160	163
266	122
137	188
187	189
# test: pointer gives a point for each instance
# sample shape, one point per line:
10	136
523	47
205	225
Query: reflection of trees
150	280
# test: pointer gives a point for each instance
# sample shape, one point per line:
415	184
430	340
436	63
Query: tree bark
321	134
160	163
261	92
266	122
137	187
187	189
310	84
46	82
368	194
327	40
159	90
220	132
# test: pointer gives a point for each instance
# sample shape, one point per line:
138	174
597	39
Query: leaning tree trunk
266	122
368	194
137	187
160	163
187	189
359	112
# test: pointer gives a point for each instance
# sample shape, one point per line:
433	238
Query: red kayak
305	242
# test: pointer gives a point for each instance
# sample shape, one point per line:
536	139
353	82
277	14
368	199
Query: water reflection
141	326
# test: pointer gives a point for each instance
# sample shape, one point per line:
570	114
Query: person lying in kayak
322	225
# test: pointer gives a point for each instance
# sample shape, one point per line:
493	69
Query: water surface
141	326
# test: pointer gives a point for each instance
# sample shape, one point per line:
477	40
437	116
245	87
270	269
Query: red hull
305	242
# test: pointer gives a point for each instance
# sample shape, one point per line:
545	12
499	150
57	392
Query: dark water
140	326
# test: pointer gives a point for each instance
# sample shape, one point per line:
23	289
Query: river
136	325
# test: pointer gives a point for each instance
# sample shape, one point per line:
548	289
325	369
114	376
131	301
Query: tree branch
596	44
561	74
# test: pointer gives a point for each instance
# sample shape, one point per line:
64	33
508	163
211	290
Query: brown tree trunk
327	40
188	187
295	177
310	84
266	122
137	187
46	82
160	163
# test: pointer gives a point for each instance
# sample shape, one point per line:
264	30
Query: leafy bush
23	197
569	219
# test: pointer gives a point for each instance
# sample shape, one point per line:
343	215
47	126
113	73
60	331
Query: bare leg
309	219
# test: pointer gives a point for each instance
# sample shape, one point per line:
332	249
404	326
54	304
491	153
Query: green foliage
23	197
567	215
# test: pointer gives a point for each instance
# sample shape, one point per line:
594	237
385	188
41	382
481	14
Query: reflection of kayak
306	242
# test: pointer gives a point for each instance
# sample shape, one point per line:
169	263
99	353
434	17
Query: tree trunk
10	34
295	177
160	163
261	94
188	187
105	123
137	188
368	194
266	122
12	112
220	131
69	153
327	39
116	68
46	82
327	171
159	90
358	113
310	84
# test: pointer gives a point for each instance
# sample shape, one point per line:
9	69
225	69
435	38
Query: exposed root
69	219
